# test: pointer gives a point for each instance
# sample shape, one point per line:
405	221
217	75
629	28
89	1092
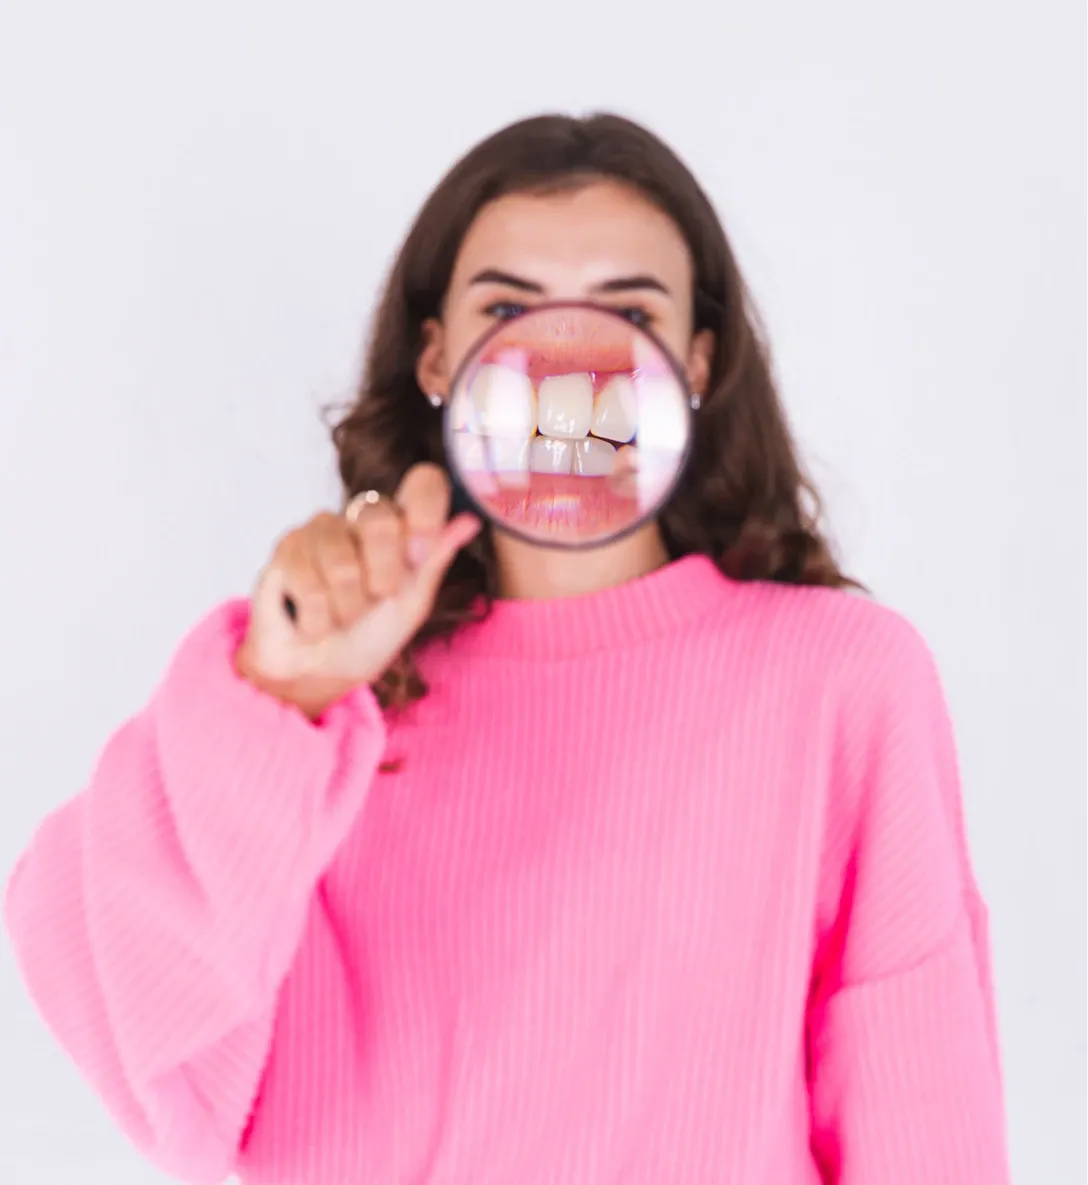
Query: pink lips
567	509
569	340
564	340
575	508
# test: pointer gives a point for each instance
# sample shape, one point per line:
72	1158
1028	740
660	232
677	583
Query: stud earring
696	401
434	400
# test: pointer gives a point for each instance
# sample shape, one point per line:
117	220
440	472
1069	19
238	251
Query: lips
562	508
569	340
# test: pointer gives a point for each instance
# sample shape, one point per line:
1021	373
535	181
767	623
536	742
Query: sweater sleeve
903	1051
155	916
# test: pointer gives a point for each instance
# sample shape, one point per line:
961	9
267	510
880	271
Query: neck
529	573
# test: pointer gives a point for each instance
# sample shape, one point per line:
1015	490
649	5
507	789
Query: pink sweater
671	886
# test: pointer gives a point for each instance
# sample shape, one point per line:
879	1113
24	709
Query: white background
198	202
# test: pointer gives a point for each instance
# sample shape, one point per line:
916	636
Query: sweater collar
664	601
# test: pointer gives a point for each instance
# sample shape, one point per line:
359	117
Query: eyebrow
633	284
619	284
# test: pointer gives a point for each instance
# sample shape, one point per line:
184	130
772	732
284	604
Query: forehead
583	235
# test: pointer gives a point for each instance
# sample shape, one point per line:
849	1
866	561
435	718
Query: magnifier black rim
566	545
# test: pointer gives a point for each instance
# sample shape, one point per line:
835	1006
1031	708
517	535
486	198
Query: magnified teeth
662	413
615	413
509	459
501	403
547	455
593	458
566	406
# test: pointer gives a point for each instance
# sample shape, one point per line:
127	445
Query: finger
424	500
335	550
456	534
381	535
303	595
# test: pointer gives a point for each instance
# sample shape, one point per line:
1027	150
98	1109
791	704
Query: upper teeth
566	405
615	415
501	403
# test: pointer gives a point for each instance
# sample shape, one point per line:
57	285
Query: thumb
458	532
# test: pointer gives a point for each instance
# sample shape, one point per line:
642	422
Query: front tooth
547	455
662	413
566	405
503	402
510	460
615	413
593	458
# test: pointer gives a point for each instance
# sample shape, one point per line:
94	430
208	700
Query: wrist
312	695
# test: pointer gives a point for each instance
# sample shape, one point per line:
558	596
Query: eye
505	310
637	316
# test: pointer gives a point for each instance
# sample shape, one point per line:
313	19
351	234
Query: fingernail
419	548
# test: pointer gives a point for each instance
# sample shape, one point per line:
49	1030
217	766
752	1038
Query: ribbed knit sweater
663	884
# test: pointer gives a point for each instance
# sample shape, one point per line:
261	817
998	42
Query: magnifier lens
568	426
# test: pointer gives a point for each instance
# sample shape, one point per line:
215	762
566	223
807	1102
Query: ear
432	372
700	358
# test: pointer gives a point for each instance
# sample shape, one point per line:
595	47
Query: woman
487	863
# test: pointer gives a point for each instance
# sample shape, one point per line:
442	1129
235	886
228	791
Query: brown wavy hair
744	500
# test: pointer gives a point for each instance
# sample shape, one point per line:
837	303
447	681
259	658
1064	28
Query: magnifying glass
568	426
